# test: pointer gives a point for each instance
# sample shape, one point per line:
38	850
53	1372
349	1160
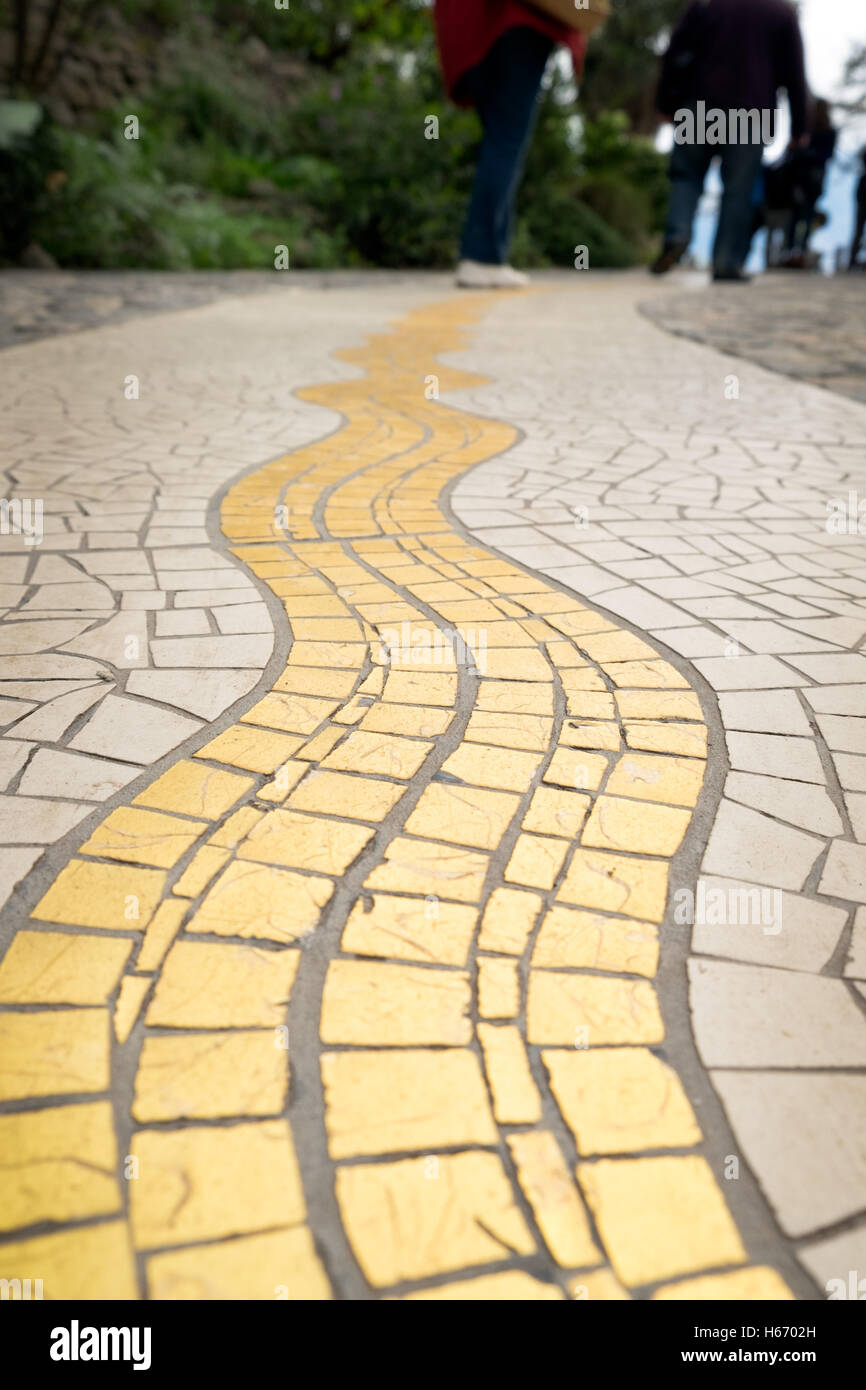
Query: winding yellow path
453	814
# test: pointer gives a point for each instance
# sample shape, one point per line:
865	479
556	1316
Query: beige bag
587	15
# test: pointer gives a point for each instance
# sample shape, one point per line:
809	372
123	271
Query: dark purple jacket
736	54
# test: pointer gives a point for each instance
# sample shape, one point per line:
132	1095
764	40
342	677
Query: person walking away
811	164
493	55
860	212
733	56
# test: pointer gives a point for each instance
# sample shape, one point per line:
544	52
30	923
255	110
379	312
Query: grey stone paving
804	325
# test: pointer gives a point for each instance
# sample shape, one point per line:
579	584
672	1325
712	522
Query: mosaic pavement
365	810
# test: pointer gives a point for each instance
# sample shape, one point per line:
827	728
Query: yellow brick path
480	827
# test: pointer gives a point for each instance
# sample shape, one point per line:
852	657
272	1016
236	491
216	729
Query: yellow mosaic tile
63	1169
498	988
207	1076
416	929
291	713
517	697
599	1286
422	867
53	1053
598	734
85	894
590	1010
756	1284
89	1262
497	768
576	769
385	754
236	828
58	968
588	941
421	688
299	841
687	739
160	934
621	1100
276	1265
515	1096
462	815
320	746
556	812
144	837
589	704
189	789
513	1286
202	868
508	921
203	1183
378	1004
313	681
255	900
358	798
613	883
529	731
659	1217
639	827
658	704
256	750
645	675
425	1216
130	997
535	861
649	778
562	1218
379	1102
526	665
203	985
423	721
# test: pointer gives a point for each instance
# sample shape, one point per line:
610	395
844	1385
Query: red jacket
467	29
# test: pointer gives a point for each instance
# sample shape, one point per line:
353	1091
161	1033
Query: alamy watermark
22	516
740	906
702	125
423	646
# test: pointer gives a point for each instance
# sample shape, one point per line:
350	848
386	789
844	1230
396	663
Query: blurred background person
493	55
810	167
733	55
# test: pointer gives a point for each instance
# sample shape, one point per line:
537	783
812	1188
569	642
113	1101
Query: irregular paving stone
432	1099
745	844
92	1262
52	1053
804	1135
64	1166
206	1076
754	1016
660	1217
57	968
621	1100
278	1264
223	986
203	1183
421	1217
376	1004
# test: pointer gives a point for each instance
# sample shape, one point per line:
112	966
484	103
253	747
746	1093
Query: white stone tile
240	650
804	1136
837	1264
765	926
49	723
122	641
15	864
190	622
844	873
843	733
807	806
775	755
14	753
56	772
746	673
851	771
206	693
244	617
133	731
29	821
746	844
755	1016
837	699
767	711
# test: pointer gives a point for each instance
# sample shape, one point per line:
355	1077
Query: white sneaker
475	275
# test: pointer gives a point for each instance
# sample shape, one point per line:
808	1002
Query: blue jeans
741	165
503	88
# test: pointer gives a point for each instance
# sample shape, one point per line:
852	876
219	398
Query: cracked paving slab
381	964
